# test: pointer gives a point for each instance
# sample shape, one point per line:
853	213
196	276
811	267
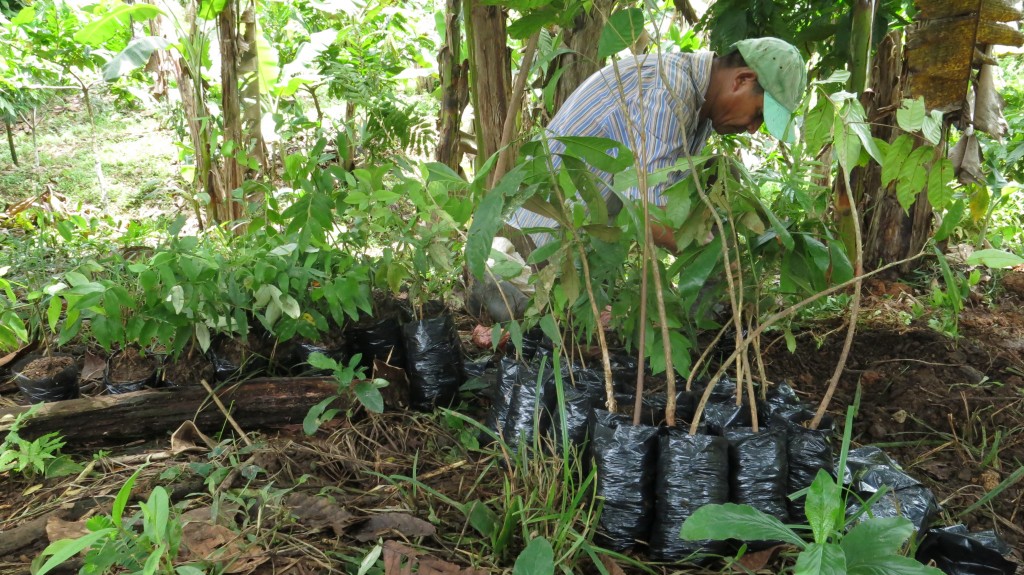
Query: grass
137	154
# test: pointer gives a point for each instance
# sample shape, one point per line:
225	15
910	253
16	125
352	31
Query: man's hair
735	60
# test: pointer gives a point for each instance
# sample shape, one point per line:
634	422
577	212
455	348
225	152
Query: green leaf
818	125
544	252
370	560
267	71
913	177
586	186
487	221
731	521
932	127
177	298
939	192
121	500
289	306
209	9
202	337
369	396
98	32
608	234
135	55
994	259
877	564
537	559
61	550
846	143
620	32
911	116
950	220
824	506
53	310
25	16
481	517
153	561
311	422
821	559
594	151
895	157
321	361
875	536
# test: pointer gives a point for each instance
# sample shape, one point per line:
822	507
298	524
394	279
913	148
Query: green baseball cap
783	75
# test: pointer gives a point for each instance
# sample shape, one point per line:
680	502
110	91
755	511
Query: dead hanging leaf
188	439
757	560
319	512
403	523
208	542
400	559
93	367
57	528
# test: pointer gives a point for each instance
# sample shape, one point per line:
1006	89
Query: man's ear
744	76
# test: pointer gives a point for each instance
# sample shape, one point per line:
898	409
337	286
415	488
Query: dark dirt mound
47	366
950	411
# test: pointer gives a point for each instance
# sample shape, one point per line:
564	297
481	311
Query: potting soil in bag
433	362
758	471
625	456
528	412
500	395
380	340
692	471
869	469
53	378
957	552
808	450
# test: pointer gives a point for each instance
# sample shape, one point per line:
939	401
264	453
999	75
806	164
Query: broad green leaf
481	517
487	221
321	361
63	549
846	143
898	152
370	560
837	77
609	234
950	220
979	203
177	298
267	70
311	422
98	32
620	32
731	521
289	306
910	116
121	499
551	88
209	9
369	395
570	280
532	23
994	259
879	564
53	310
537	559
818	125
202	337
824	506
584	182
135	55
913	177
25	16
550	329
821	559
594	151
699	271
875	536
939	192
153	561
932	127
544	252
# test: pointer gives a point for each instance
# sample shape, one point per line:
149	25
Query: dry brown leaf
757	560
93	367
403	523
400	559
57	528
10	357
396	394
611	566
208	542
319	512
188	439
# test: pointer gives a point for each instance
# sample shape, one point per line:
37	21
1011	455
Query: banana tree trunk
231	170
582	61
248	68
454	88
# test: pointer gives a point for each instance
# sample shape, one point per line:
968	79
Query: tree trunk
254	404
582	62
252	113
490	74
454	88
10	142
232	174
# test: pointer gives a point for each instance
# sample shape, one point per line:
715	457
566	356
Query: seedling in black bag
872	545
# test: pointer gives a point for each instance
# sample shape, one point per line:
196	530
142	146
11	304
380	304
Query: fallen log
253	404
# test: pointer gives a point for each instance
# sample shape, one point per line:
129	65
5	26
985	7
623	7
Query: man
676	107
661	107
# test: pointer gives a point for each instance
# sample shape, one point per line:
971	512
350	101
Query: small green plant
39	456
859	545
351	380
113	542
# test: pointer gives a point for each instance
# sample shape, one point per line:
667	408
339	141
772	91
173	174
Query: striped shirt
665	104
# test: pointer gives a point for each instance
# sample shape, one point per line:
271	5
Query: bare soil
45	367
131	366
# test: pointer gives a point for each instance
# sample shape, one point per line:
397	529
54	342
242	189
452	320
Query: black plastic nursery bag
808	451
758	470
692	471
433	362
380	340
869	469
528	412
957	552
625	457
500	394
56	387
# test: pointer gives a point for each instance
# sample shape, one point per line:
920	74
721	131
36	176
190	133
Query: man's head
760	80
